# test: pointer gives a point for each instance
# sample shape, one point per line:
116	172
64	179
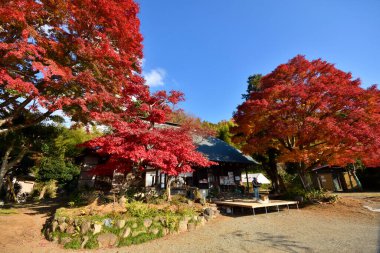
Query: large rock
201	220
126	233
207	217
120	223
61	220
54	226
62	227
65	240
77	222
163	221
155	231
70	229
70	221
85	240
191	226
107	240
85	227
97	228
138	232
107	222
182	226
165	231
208	211
147	223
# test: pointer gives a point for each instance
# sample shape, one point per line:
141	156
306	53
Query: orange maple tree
313	114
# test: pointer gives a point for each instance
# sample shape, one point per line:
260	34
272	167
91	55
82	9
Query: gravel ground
296	231
343	227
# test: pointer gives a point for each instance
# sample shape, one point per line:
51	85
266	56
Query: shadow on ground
280	242
44	207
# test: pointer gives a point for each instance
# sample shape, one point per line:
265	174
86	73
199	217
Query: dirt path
344	227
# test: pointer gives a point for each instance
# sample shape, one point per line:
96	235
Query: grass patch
92	243
141	238
75	243
8	211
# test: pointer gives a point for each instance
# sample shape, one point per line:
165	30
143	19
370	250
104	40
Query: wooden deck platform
251	204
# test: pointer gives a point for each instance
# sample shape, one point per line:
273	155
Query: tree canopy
147	141
312	113
84	57
75	56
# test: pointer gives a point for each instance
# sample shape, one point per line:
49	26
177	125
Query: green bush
85	197
312	195
321	196
45	190
140	210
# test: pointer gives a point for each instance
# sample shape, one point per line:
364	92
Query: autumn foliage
84	57
313	114
147	141
75	56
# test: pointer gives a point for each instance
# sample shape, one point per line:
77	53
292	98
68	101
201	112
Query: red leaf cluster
137	145
78	56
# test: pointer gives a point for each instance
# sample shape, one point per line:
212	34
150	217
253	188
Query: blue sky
208	48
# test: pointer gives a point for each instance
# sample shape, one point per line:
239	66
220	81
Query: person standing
256	188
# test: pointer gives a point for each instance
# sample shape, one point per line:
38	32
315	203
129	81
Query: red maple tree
313	114
84	57
146	141
75	56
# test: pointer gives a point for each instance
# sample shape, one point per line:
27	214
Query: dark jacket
255	183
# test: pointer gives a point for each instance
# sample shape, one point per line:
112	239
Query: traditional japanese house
226	174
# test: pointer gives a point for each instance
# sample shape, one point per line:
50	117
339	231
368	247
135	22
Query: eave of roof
219	151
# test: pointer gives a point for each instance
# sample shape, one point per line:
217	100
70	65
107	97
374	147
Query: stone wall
100	232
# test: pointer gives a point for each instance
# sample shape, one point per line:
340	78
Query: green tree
253	85
57	161
268	159
15	146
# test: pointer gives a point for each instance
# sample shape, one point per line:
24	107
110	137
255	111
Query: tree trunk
168	183
42	193
11	190
356	178
4	164
277	182
304	178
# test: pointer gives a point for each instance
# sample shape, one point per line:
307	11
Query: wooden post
246	174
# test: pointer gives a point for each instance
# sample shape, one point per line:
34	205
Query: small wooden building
333	178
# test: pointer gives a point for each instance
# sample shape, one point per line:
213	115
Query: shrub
85	197
47	189
178	199
140	210
312	195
